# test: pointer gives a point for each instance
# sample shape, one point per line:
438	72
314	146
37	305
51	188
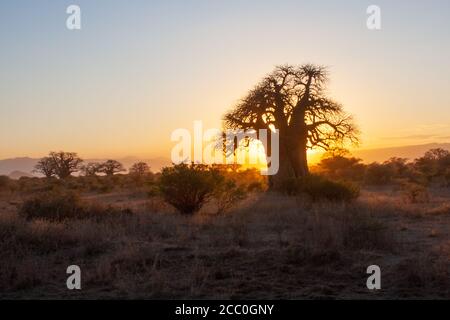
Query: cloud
412	137
424	132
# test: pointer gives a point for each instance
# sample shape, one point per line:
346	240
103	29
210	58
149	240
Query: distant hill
382	154
15	175
26	165
409	152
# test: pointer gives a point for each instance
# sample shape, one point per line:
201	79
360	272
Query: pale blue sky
139	69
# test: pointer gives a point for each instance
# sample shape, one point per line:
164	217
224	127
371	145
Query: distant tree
436	154
435	163
341	167
336	152
65	163
398	166
45	166
293	100
111	167
140	169
91	169
378	174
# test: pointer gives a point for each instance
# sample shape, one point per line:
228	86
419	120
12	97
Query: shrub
361	230
290	186
447	177
102	184
378	174
187	187
340	167
415	193
58	206
73	183
51	206
4	183
434	164
152	191
319	188
227	194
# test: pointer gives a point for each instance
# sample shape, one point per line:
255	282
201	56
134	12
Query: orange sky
135	73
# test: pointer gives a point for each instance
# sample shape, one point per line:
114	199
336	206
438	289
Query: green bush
378	174
51	206
320	188
187	187
59	206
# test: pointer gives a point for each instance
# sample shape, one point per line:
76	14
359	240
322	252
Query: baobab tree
435	163
45	166
91	169
65	163
292	99
110	167
140	169
139	172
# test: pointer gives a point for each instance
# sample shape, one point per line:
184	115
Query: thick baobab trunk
297	145
297	137
299	160
285	169
293	160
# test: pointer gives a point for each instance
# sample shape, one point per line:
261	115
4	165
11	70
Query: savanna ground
269	247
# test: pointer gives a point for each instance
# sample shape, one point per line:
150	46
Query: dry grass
270	247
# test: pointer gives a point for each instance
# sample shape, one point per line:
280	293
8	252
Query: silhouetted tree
292	99
111	167
91	169
140	169
45	166
65	163
435	163
393	171
342	168
398	167
378	174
